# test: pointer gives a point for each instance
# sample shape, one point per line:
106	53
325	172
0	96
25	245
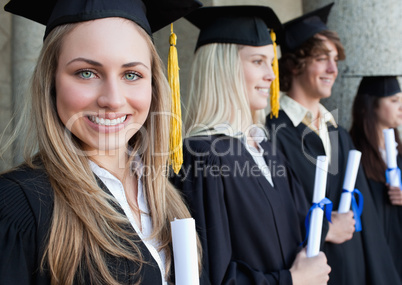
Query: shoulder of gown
26	205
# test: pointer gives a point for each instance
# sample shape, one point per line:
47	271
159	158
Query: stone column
27	38
5	82
370	32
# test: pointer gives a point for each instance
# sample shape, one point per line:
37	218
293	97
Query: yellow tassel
274	90
175	139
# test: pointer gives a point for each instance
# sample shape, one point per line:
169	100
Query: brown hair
294	62
364	133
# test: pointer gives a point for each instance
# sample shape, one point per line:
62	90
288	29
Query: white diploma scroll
185	251
317	214
350	180
390	149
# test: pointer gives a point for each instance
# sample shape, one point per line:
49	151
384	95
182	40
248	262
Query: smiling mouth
326	80
264	90
107	122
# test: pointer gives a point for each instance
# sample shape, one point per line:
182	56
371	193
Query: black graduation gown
250	231
26	205
365	259
390	218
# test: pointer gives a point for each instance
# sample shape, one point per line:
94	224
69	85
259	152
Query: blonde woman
241	196
81	209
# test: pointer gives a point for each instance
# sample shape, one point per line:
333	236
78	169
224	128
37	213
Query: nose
332	66
111	96
269	74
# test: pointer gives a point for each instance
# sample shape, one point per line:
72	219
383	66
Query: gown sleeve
18	245
204	192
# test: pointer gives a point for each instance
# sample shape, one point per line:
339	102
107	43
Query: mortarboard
243	25
299	30
379	86
151	15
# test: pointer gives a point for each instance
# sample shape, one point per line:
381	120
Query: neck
241	122
312	104
114	161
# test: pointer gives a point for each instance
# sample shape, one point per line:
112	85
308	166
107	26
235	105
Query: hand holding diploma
185	252
393	173
341	228
310	270
347	197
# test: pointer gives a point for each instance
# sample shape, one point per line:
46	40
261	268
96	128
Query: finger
350	214
322	256
397	200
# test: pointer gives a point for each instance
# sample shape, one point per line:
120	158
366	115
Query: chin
258	108
325	95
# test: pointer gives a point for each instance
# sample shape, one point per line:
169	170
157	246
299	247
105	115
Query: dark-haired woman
378	106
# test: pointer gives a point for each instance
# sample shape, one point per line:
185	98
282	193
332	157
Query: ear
296	71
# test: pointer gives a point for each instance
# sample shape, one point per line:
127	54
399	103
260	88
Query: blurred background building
370	30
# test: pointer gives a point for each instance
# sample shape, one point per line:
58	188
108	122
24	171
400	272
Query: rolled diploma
350	180
390	149
185	251
316	218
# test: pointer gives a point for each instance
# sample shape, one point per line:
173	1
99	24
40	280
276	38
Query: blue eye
131	76
86	74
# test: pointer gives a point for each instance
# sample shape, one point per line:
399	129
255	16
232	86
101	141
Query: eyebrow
96	63
258	54
89	61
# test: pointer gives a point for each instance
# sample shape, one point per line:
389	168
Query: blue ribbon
327	211
356	208
388	180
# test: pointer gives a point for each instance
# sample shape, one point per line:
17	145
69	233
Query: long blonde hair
85	225
217	92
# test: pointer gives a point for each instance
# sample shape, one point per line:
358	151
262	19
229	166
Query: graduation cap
299	30
379	86
243	25
151	15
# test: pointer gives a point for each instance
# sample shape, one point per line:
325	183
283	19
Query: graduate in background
249	222
80	210
378	106
305	130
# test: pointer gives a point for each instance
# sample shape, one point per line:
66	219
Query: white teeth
107	122
265	90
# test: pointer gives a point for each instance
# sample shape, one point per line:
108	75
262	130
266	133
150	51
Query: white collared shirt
258	135
116	188
299	114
